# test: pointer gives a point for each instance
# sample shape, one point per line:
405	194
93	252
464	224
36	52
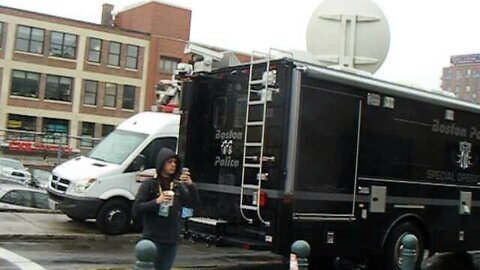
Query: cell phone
185	170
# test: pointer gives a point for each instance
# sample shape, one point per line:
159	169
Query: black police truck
283	150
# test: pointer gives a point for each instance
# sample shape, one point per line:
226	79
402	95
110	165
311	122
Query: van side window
219	112
151	151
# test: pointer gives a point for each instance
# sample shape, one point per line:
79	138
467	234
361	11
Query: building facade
168	27
462	77
61	76
64	82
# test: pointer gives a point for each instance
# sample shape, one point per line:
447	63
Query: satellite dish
349	33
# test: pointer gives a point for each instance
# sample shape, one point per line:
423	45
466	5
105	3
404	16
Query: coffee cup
169	193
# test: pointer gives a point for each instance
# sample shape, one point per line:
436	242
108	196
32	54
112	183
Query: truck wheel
114	217
393	246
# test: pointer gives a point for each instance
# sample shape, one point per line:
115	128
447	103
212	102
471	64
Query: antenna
349	34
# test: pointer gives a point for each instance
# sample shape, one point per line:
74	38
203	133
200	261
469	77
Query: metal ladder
255	163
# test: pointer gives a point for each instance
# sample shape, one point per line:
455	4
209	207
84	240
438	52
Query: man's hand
185	178
164	198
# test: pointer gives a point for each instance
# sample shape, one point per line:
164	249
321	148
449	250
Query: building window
56	131
449	74
88	133
114	54
110	95
59	88
168	64
26	125
457	89
1	34
475	73
467	73
132	57
25	84
448	82
459	75
107	129
29	39
63	45
90	95
94	50
467	88
128	97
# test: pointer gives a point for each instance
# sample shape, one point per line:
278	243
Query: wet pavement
114	254
54	242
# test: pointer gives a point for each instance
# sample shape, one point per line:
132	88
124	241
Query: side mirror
138	164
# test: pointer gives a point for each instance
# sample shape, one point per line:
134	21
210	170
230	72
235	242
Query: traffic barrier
145	252
300	251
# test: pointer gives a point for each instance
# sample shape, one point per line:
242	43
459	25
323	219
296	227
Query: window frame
86	91
25	77
29	128
63	45
90	49
2	29
110	95
130	87
59	79
131	56
162	64
29	39
37	203
85	141
51	137
110	53
157	144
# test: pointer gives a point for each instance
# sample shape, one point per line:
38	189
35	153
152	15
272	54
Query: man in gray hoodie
160	201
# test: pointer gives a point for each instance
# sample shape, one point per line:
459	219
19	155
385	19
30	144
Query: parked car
19	197
13	171
40	178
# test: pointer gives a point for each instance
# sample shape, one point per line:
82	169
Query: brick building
70	77
63	76
168	27
462	77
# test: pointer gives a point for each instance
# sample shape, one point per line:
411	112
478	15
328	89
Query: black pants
165	256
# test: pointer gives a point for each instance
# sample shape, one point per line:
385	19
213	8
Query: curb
29	211
209	266
56	237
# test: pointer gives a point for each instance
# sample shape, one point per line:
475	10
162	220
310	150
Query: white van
103	184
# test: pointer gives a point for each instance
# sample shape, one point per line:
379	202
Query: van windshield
117	146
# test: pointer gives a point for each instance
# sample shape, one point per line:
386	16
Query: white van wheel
114	217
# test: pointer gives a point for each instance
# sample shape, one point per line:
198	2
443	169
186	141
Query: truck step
259	123
255	187
252	165
249	207
207	221
256	102
253	144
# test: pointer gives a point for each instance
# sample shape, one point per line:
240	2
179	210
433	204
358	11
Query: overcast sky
424	33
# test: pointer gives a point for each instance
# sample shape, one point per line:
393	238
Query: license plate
52	204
